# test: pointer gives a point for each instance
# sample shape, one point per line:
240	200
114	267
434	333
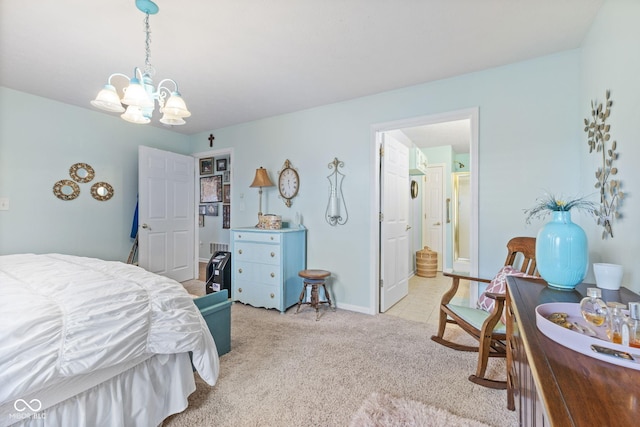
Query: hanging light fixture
140	95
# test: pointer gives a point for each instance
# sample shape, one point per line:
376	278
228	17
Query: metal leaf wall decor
599	139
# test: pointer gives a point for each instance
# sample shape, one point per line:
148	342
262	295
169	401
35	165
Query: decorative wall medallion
82	172
102	191
65	189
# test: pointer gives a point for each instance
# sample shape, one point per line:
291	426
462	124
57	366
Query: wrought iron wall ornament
336	213
598	138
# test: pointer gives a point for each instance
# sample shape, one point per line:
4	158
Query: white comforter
62	316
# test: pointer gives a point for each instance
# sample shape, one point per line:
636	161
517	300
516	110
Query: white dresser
266	265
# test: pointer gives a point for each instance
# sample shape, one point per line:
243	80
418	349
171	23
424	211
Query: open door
394	224
166	213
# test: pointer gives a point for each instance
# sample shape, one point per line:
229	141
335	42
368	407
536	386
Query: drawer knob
273	274
271	237
272	295
239	236
240	251
239	289
273	254
240	270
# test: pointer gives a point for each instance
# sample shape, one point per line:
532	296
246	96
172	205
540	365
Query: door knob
407	228
145	226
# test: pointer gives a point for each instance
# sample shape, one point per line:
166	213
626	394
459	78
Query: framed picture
201	220
226	193
226	176
226	216
221	165
206	166
212	209
211	189
202	209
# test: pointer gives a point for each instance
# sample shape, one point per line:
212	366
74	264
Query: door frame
196	158
374	155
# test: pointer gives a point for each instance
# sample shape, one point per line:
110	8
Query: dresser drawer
257	273
256	252
248	236
258	294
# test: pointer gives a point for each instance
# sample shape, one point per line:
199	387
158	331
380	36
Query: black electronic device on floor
219	272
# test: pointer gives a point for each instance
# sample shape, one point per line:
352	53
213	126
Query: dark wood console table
552	385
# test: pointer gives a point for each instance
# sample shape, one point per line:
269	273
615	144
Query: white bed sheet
63	316
141	396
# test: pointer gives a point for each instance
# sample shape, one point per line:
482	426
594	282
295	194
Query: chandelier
140	95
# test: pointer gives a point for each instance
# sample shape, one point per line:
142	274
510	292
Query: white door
166	213
433	216
394	226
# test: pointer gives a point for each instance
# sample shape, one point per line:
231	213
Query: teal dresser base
216	310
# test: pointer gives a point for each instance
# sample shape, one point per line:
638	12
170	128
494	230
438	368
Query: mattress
64	317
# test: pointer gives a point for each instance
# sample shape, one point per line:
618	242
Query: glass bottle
593	309
616	321
634	324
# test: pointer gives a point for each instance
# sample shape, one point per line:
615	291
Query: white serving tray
577	341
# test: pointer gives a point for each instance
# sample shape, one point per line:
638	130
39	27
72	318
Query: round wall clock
288	183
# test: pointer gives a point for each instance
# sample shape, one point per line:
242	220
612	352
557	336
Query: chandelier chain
148	68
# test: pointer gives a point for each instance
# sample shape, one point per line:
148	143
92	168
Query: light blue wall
39	140
531	140
527	117
611	61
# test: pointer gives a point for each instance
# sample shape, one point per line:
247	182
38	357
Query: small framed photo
226	216
206	166
221	165
226	193
201	220
226	176
212	209
211	189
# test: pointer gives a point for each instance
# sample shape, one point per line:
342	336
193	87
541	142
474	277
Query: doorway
212	231
377	258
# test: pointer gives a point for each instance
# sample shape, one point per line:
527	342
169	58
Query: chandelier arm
117	74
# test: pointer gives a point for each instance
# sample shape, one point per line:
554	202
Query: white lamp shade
175	106
135	95
134	115
108	100
168	119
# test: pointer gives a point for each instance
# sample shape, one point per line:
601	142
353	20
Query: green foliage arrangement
550	203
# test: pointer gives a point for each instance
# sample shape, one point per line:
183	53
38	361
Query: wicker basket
426	262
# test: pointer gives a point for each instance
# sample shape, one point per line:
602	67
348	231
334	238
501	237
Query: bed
90	342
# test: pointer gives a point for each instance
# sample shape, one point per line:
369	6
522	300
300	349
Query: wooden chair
486	327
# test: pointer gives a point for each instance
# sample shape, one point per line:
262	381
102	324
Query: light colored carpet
289	370
383	410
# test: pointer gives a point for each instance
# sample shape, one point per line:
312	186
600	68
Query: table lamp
261	180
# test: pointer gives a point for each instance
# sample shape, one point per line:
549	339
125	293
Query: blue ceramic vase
562	255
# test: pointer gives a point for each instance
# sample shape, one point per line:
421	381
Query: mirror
65	189
102	191
414	189
461	220
81	172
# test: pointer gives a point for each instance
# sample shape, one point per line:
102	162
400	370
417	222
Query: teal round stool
314	278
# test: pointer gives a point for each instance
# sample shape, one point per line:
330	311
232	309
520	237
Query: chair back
522	250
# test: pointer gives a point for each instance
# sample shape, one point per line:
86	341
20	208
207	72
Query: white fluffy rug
383	410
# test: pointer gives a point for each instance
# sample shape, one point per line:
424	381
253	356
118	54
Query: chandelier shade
140	95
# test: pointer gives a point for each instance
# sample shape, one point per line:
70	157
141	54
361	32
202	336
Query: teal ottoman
216	310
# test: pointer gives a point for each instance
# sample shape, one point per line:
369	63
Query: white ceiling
241	60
